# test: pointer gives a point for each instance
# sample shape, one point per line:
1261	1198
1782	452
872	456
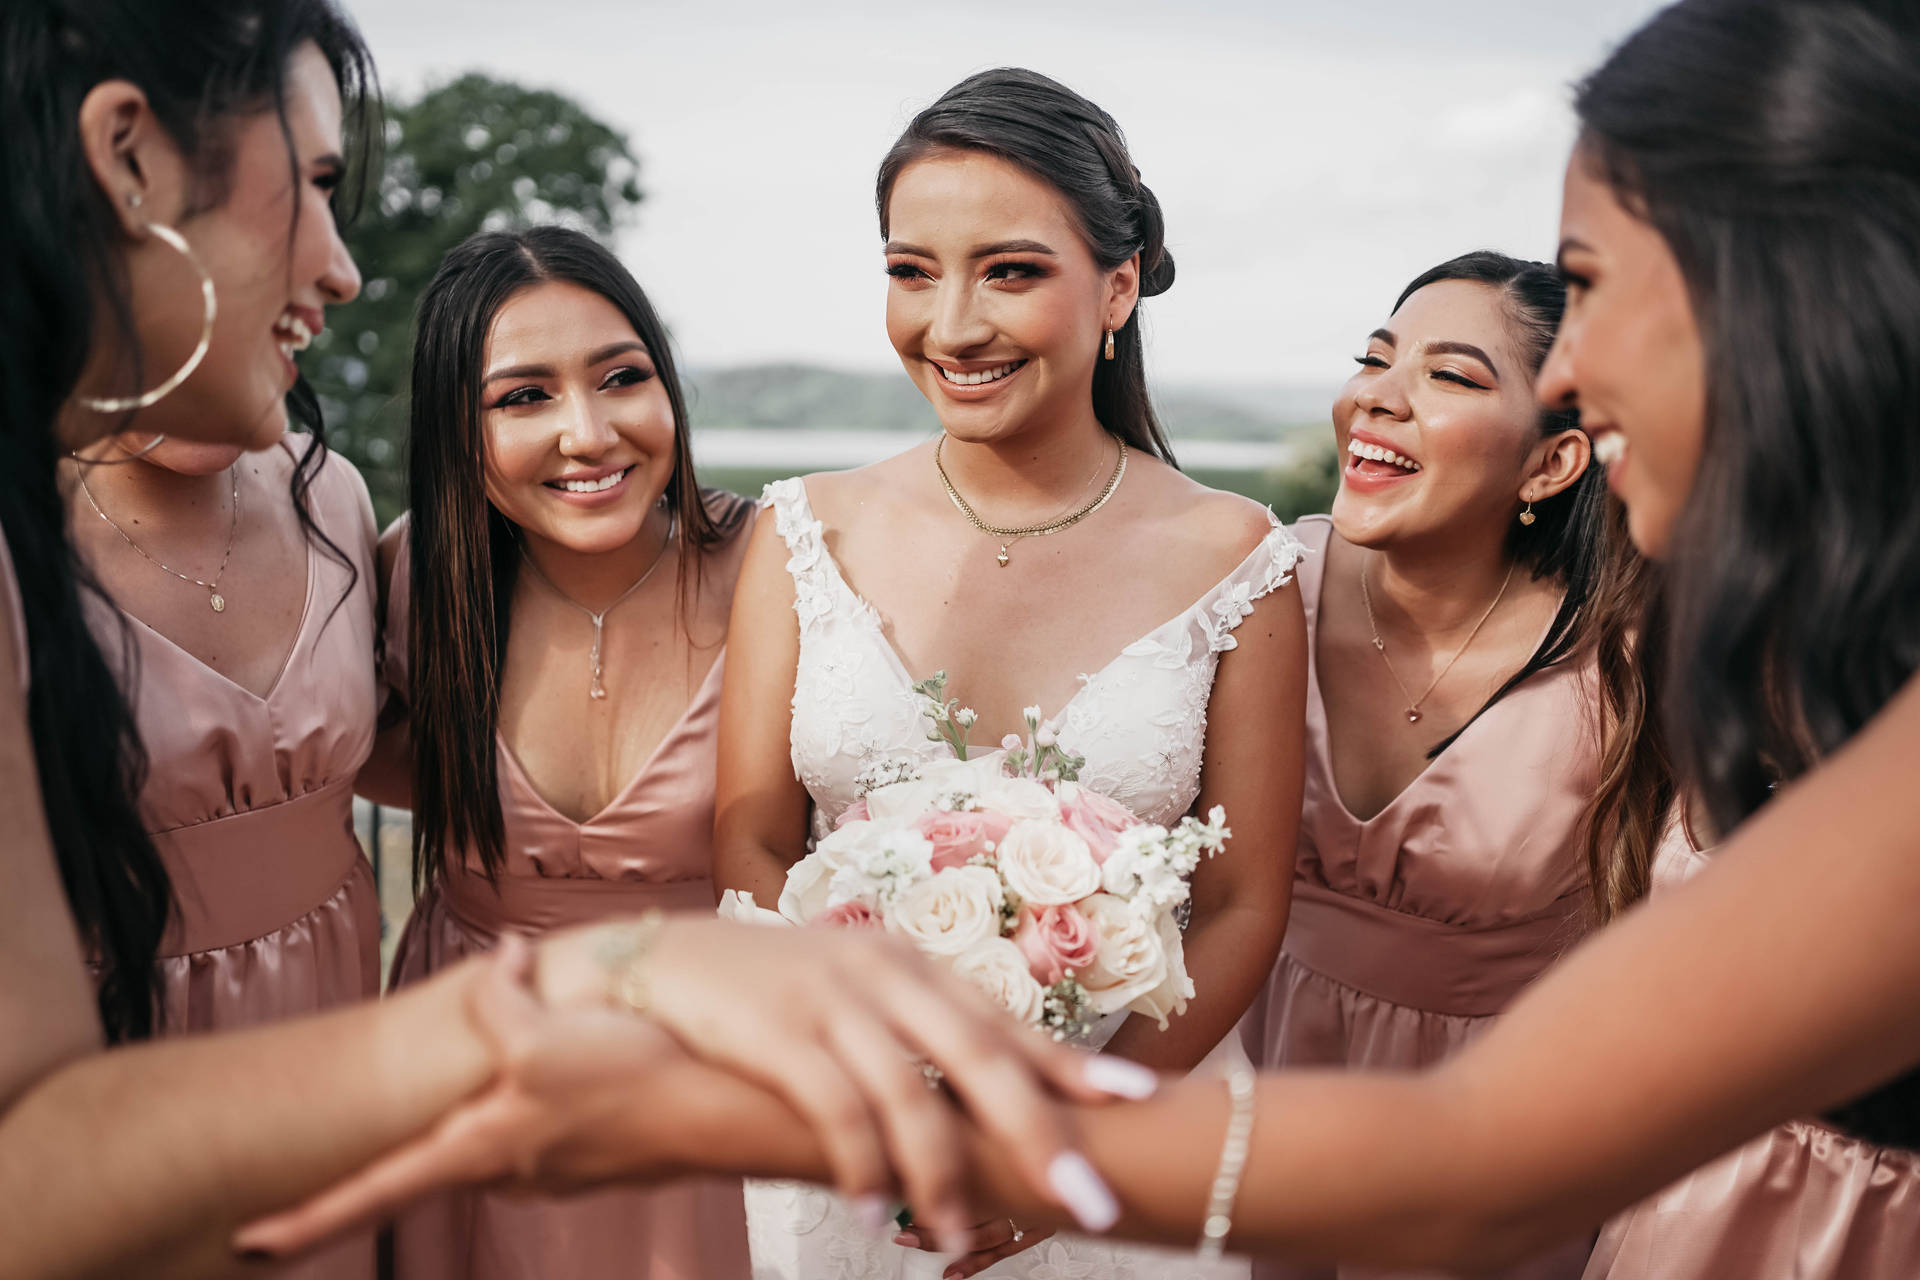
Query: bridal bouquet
1049	896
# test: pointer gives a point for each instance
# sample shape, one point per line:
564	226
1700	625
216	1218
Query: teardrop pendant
217	601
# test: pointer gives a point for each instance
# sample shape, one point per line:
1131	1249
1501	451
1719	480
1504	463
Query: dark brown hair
465	555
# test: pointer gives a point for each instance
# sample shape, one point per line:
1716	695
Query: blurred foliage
476	154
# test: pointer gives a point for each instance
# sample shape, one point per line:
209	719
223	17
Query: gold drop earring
1527	516
1108	350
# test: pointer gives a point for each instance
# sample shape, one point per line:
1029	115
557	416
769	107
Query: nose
1555	387
585	431
1384	396
340	281
958	322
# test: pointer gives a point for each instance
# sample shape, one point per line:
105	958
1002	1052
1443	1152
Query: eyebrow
979	250
1570	242
546	370
1444	349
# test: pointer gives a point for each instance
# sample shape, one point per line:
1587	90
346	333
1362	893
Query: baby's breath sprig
1066	1011
1041	757
951	721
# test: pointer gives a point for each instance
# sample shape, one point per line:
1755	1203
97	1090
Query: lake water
751	448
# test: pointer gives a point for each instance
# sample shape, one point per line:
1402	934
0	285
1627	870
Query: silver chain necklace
215	601
597	689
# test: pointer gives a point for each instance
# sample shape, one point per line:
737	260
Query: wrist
428	1048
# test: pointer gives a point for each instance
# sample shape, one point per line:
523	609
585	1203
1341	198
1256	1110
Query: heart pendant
1413	716
1002	557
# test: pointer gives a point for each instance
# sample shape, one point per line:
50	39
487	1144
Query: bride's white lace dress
1141	723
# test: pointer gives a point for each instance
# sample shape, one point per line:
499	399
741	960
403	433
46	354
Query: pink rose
1054	940
855	812
1095	818
853	914
957	836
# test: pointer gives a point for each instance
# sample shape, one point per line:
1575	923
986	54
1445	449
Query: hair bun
1156	262
1156	277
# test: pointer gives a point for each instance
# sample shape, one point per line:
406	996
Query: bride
1043	550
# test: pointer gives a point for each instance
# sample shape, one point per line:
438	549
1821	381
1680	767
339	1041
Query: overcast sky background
1310	157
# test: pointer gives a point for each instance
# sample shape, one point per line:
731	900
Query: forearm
1230	954
387	776
145	1158
749	864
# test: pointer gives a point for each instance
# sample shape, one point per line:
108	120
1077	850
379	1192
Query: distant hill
809	397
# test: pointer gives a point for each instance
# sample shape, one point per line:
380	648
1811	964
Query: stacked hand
782	1052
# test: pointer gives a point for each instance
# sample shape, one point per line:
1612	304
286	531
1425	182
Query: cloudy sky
1310	157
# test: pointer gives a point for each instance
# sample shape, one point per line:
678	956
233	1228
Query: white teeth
1375	453
975	379
1609	448
594	486
295	335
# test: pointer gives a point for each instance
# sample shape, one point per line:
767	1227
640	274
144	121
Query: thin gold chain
595	688
217	601
1380	646
1010	536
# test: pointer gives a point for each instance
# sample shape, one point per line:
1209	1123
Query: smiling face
995	304
271	291
579	430
1628	355
1439	428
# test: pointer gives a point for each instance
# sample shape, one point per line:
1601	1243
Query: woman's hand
838	1024
987	1243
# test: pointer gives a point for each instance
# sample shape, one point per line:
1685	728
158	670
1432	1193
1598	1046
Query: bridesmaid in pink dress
600	719
1450	749
255	698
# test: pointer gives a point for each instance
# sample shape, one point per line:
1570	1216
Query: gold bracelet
1233	1162
624	949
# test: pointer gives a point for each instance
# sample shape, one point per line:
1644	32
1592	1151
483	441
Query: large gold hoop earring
126	404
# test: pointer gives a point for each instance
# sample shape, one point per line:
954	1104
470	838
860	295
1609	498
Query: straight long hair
465	555
203	66
1046	129
1772	145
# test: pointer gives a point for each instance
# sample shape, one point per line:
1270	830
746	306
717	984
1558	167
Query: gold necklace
1413	703
595	689
1010	536
215	600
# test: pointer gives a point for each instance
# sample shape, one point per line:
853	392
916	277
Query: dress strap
807	559
16	612
1267	568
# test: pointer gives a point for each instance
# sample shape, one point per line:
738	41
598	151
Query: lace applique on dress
1141	723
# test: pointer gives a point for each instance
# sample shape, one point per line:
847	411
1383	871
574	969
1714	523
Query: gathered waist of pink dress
1420	963
246	875
536	904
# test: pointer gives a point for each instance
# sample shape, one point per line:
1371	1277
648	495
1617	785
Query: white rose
1171	996
1046	864
950	911
1020	798
805	894
1130	961
740	908
997	968
899	803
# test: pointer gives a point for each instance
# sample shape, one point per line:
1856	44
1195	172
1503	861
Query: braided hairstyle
1043	127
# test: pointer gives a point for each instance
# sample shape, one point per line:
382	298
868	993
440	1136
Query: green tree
476	154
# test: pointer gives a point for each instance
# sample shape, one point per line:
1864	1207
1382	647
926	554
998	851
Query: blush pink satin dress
652	846
1803	1200
1411	930
250	802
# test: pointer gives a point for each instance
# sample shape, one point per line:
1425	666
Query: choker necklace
215	601
595	689
1413	703
1008	537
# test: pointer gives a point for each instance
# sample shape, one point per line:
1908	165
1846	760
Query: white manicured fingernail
1121	1078
1082	1190
871	1211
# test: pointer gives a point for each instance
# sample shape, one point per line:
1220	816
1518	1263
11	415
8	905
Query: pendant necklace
595	689
1380	646
215	601
1007	537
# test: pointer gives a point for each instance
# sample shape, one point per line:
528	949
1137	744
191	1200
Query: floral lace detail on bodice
1140	721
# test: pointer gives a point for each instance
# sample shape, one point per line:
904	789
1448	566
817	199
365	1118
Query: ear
1122	292
1557	462
134	160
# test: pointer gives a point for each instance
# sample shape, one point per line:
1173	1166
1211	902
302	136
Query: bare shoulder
1218	529
843	498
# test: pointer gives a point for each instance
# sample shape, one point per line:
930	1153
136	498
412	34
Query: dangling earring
1109	347
125	404
1527	516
